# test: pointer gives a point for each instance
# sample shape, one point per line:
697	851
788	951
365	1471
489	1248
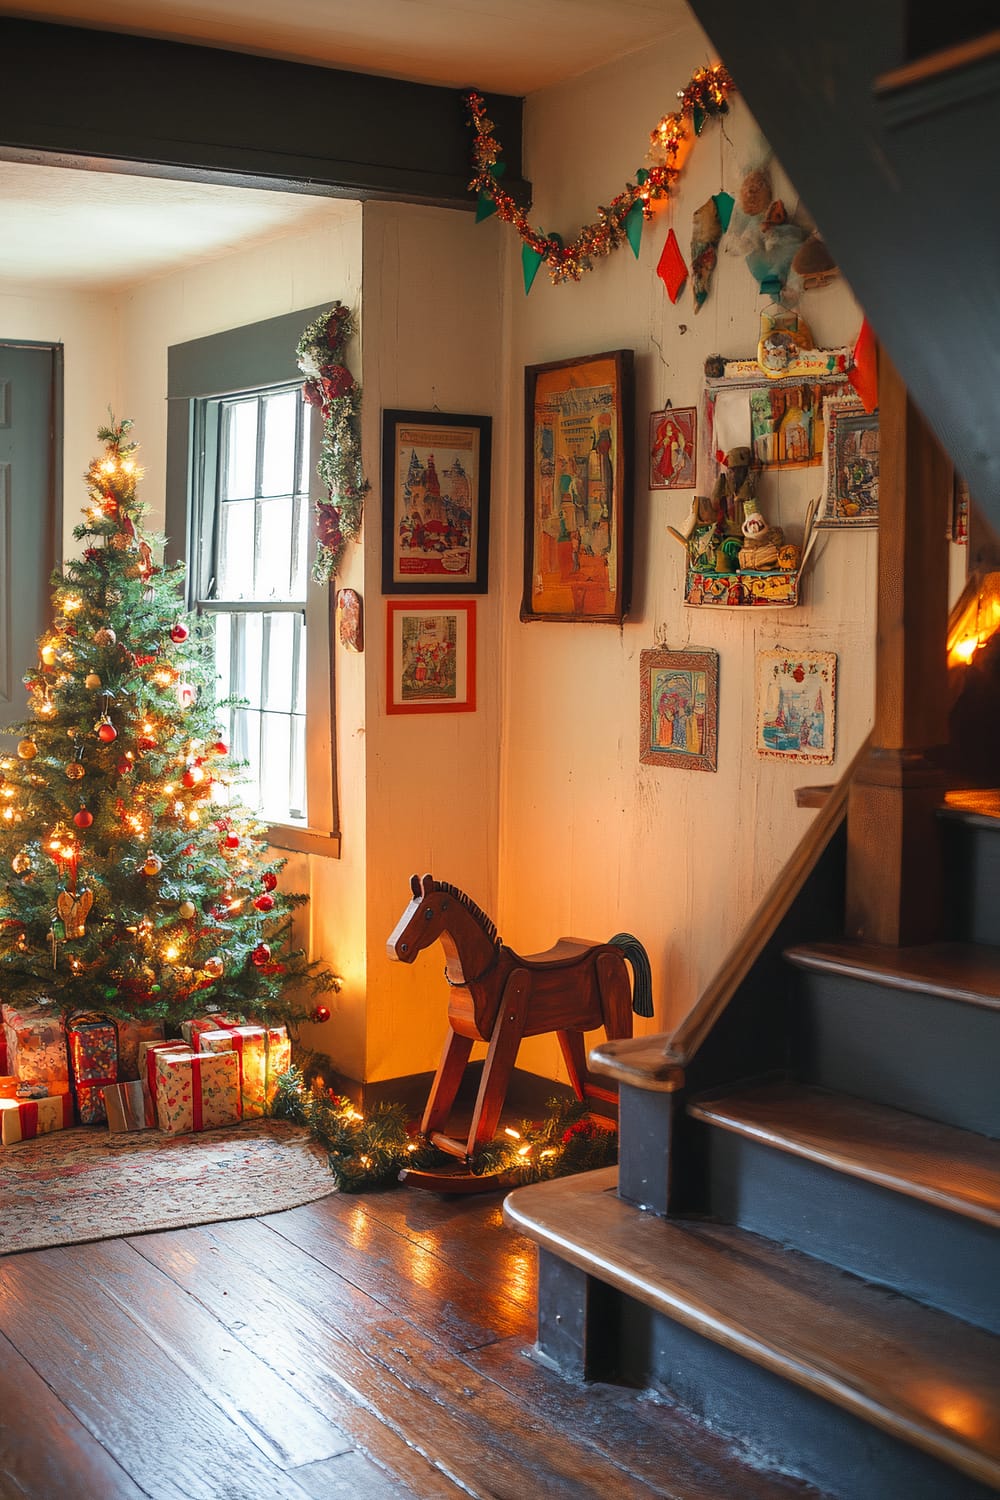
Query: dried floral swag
331	387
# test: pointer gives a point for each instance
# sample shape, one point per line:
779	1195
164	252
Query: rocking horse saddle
566	951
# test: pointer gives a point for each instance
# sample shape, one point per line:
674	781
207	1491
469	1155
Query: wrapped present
196	1090
23	1119
130	1035
219	1021
93	1058
264	1053
147	1072
36	1046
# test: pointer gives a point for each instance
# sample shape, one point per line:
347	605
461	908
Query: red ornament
179	632
145	742
671	268
320	1014
189	779
264	903
260	955
220	748
124	766
109	505
269	880
231	841
83	818
107	732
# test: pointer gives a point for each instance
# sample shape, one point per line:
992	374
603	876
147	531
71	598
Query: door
30	510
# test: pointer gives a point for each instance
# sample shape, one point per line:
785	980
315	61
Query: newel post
893	862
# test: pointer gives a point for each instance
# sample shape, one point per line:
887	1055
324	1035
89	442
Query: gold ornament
105	636
153	864
73	907
76	770
214	967
186	910
27	749
92	681
21	863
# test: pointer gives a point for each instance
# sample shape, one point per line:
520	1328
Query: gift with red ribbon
264	1053
23	1119
93	1059
196	1090
35	1042
147	1072
217	1021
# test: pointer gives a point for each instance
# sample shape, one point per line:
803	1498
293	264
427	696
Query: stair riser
905	1048
972	860
944	1259
781	1424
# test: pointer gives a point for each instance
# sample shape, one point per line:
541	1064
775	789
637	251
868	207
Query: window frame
240	362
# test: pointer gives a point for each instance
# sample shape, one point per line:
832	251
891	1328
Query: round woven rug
85	1184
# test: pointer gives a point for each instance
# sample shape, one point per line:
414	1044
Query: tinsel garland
703	97
369	1151
331	387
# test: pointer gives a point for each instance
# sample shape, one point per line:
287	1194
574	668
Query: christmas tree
141	887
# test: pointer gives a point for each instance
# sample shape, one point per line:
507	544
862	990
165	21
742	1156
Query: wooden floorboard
368	1347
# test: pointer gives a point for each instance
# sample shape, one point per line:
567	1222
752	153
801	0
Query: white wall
592	841
433	338
86	324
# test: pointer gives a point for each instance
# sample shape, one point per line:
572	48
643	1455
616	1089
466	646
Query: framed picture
431	656
796	704
673	452
579	428
781	421
958	528
852	460
679	709
435	502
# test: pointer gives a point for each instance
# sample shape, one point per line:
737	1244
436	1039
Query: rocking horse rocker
498	996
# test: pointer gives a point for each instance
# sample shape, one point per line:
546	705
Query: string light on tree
115	611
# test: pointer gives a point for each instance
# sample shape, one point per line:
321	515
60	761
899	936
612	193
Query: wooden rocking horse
498	996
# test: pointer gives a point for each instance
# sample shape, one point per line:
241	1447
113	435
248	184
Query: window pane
275	766
278	470
239	436
274	550
299	702
236	550
277	692
300	556
298	810
252	658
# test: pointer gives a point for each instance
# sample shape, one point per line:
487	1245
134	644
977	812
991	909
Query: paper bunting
724	203
671	268
485	202
530	261
863	375
633	227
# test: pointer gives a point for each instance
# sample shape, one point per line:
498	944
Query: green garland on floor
369	1151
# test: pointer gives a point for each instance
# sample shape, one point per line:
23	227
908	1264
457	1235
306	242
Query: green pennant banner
724	204
484	207
698	118
633	227
530	261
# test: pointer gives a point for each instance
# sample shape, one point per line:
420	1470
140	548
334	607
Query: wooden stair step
968	972
979	805
939	1164
922	1376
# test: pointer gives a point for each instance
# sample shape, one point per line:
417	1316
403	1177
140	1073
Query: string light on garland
330	386
368	1151
703	97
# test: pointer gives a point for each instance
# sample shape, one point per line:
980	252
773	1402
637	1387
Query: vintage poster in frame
679	709
430	656
579	427
435	502
673	452
796	704
852	463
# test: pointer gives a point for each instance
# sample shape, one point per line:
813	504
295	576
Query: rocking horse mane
488	925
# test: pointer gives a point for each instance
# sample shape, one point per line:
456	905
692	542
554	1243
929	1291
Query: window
249	467
252	579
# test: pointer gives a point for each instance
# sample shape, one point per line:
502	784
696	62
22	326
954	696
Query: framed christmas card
796	705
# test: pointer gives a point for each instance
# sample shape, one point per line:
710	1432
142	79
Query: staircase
801	1245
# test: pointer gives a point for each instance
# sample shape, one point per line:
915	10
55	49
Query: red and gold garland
704	96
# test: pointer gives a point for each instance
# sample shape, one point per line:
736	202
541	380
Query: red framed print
430	656
673	454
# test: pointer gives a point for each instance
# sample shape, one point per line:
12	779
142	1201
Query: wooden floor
360	1347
